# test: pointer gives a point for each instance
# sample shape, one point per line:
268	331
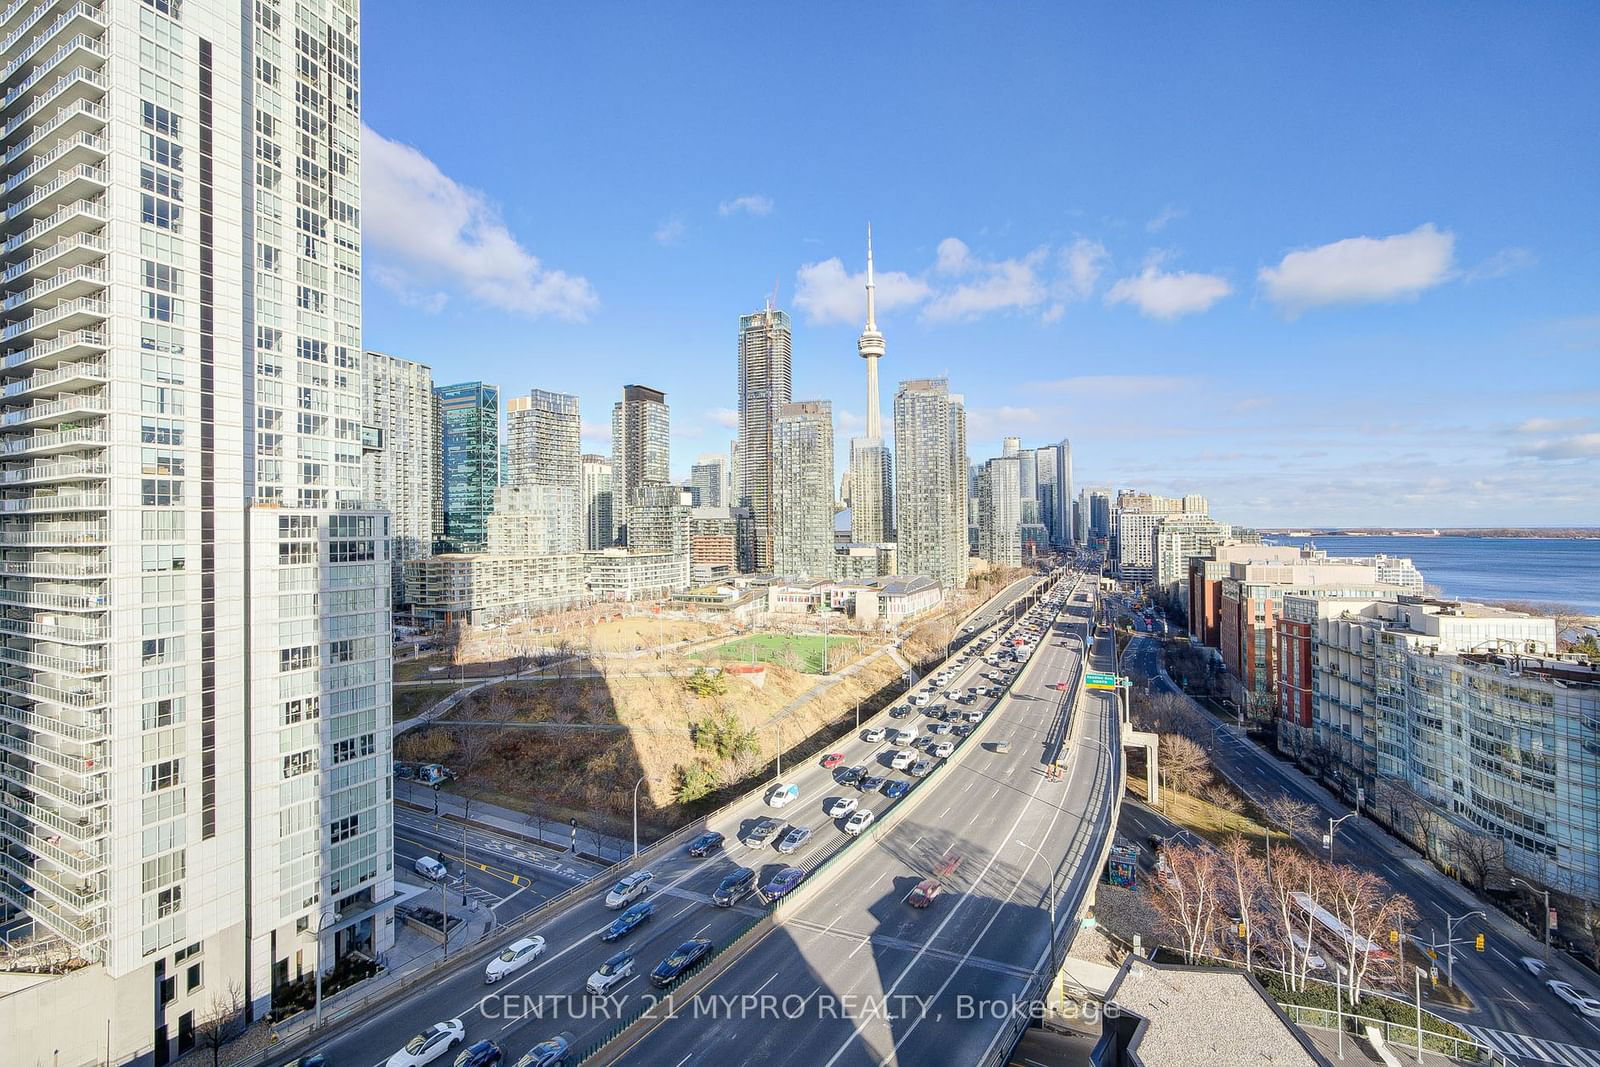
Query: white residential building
1000	511
402	473
931	482
599	528
802	498
196	598
1174	540
765	384
641	449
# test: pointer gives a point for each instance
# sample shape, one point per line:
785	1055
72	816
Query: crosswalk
1524	1049
483	896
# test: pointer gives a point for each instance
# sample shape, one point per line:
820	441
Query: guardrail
633	1030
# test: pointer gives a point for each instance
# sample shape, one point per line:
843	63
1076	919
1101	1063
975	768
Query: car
629	889
1533	965
924	893
706	843
624	924
480	1054
1002	747
921	768
784	881
516	956
316	1059
1580	1001
615	969
734	888
760	832
939	728
920	700
682	959
903	738
869	783
551	1052
794	840
943	749
783	794
849	775
903	759
832	760
961	729
948	866
429	1045
858	821
875	733
430	868
896	788
900	711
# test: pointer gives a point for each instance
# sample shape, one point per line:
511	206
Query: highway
857	976
547	996
1516	1013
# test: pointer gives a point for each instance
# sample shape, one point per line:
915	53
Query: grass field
807	650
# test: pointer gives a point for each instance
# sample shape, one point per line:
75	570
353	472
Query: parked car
625	923
782	795
858	821
615	969
794	840
734	888
480	1054
924	893
682	959
430	868
629	889
516	956
429	1045
706	843
551	1052
784	882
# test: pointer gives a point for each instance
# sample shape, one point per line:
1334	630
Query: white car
1582	1002
858	822
429	868
903	738
876	733
517	955
609	973
920	700
429	1045
842	807
783	795
903	759
943	749
629	889
1533	965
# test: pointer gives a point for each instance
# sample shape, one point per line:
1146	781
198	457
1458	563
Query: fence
1397	1034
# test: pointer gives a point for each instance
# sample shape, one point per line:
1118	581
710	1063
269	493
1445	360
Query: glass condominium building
194	603
469	432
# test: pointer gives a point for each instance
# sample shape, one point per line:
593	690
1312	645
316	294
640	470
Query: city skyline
1474	276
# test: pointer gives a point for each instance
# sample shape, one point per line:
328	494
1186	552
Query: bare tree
1478	855
222	1020
1369	910
1248	882
1293	888
1189	898
1293	817
1184	764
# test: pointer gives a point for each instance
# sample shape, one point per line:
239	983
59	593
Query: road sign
1094	680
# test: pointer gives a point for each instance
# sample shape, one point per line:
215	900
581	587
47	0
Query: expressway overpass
548	996
854	975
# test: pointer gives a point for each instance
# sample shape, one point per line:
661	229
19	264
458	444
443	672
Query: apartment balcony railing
82	695
77	146
77	181
60	470
84	48
71	763
84	896
77	312
80	246
86	933
90	796
91	212
74	631
33	598
34	719
50	534
66	283
76	78
83	17
91	567
77	862
67	375
81	828
91	501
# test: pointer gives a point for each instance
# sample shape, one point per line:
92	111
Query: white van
430	868
902	738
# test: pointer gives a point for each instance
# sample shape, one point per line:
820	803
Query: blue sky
1324	263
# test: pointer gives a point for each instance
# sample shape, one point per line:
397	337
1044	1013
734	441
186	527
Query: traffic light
1478	943
1394	937
1243	930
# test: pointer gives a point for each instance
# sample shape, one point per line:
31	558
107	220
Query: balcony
78	895
81	18
74	183
79	83
68	315
76	861
82	694
82	280
73	631
61	470
55	442
64	375
71	251
34	719
73	218
85	933
89	797
73	136
86	567
46	502
81	828
33	598
71	763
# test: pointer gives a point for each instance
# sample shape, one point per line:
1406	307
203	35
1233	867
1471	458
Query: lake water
1488	568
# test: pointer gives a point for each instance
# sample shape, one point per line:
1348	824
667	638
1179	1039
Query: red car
833	759
948	866
925	893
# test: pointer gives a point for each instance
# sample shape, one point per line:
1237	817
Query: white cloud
989	285
1082	262
1574	446
1159	294
749	204
1540	424
1170	213
1506	261
726	417
826	292
1361	270
430	232
671	230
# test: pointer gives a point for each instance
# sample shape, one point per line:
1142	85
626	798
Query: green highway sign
1102	681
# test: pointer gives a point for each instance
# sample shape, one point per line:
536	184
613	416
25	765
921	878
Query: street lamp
323	918
1546	892
1333	826
636	786
1450	943
1419	1011
1050	895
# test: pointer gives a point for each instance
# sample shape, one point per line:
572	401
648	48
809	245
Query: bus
1332	934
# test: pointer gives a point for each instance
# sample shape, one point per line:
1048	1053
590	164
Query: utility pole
1546	917
1450	943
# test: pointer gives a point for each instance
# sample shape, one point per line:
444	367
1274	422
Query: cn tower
871	347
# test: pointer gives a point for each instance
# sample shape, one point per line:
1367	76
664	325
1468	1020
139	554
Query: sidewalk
603	847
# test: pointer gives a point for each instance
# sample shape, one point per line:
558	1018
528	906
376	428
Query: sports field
802	651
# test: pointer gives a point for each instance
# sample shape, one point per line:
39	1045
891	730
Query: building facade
195	718
641	449
1000	511
766	382
802	498
1175	540
469	465
599	524
931	482
544	452
721	543
707	480
402	474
